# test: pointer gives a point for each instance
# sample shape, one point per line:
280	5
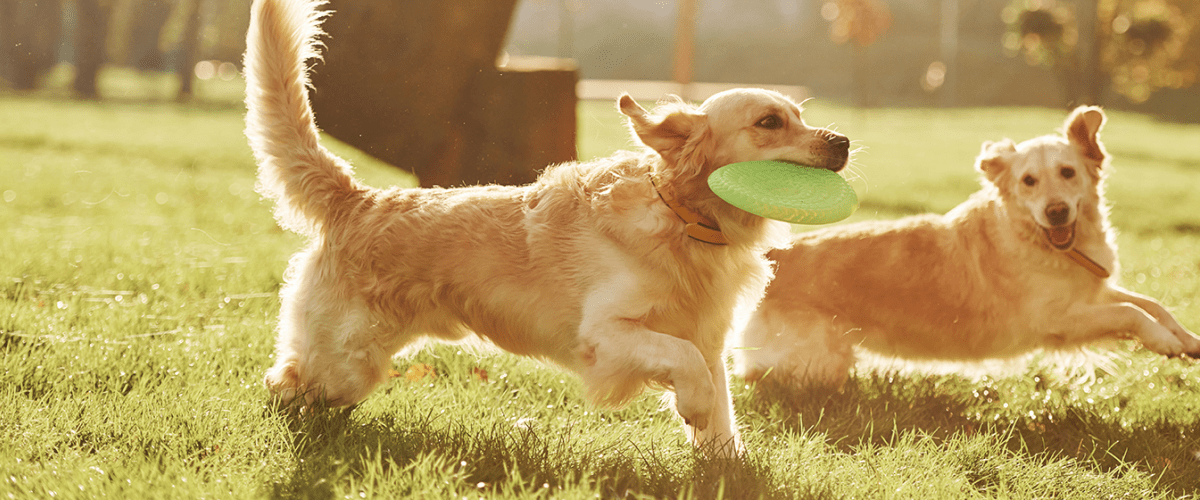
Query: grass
138	293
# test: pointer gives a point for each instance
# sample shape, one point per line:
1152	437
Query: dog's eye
1029	180
770	122
1068	172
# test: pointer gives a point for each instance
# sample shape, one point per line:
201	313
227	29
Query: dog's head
729	127
1053	177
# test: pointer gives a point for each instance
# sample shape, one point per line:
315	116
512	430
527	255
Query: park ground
138	289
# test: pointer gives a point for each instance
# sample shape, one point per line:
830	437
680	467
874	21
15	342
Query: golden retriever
1028	262
588	267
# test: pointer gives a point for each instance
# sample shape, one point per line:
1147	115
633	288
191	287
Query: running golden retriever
1027	262
625	270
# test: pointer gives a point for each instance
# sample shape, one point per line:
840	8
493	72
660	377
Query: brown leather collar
698	227
1087	263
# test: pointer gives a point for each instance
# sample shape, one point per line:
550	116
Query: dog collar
698	226
1087	263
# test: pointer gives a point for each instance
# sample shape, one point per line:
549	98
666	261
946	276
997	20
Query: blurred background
1136	54
482	68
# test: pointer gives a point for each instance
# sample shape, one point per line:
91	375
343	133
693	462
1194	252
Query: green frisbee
785	191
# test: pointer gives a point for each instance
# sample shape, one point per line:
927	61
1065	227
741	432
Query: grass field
138	282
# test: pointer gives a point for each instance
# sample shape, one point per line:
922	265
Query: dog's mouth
1061	237
823	164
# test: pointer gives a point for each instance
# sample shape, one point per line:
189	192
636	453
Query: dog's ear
1083	131
991	161
672	136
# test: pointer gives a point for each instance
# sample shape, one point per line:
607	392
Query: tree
415	84
860	21
91	34
189	48
1150	45
29	39
1134	46
146	21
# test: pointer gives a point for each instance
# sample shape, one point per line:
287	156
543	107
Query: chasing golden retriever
1028	262
625	270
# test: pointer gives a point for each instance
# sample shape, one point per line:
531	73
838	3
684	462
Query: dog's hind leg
797	346
329	349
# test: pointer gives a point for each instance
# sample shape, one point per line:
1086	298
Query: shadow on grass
879	409
332	446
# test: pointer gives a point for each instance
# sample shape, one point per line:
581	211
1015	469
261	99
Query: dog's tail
306	181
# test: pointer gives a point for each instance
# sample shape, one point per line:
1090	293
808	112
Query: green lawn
138	281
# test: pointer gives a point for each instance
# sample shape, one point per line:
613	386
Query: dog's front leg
619	356
1191	344
721	437
1085	323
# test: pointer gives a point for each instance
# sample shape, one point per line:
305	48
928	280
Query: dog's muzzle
1061	237
1060	234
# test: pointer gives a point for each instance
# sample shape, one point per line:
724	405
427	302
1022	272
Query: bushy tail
305	180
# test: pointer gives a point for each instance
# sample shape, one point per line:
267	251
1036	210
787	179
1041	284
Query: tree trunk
31	39
189	48
144	32
1088	74
861	83
415	84
91	33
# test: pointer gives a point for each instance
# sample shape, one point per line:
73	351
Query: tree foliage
862	21
1141	45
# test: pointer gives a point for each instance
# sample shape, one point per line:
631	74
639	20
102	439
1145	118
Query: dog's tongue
1060	235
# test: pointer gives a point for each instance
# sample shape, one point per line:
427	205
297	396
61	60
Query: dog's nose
839	149
840	144
1058	213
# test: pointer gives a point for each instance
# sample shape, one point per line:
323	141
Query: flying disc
785	191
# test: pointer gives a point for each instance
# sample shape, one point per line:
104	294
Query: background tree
189	47
142	23
862	22
91	47
1150	45
29	39
1139	46
416	84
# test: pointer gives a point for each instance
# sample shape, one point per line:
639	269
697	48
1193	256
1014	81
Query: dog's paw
1164	342
1191	343
695	403
722	446
283	382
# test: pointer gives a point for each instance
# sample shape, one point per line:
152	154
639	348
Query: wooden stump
415	84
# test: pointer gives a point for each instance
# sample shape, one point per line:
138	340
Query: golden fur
990	279
586	268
